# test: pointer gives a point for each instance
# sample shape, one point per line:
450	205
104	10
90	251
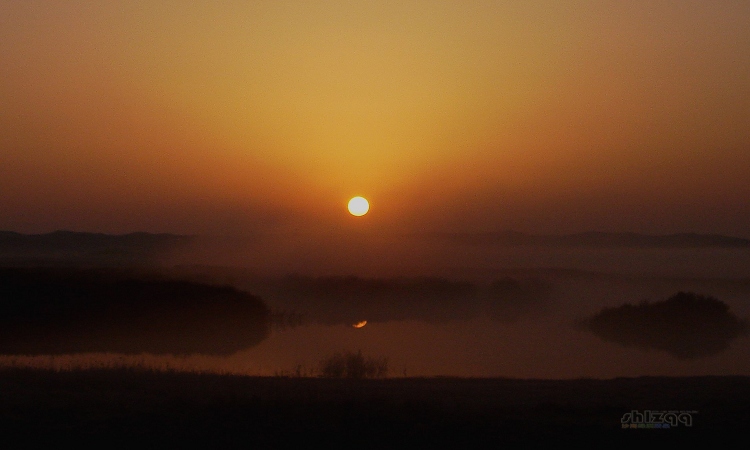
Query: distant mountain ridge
62	241
75	239
597	239
87	247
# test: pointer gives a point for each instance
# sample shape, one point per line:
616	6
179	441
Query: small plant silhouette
353	365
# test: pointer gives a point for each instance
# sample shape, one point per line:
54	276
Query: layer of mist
432	306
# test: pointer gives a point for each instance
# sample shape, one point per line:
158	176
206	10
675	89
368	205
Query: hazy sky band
540	116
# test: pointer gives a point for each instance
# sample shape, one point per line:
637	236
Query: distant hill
99	248
596	239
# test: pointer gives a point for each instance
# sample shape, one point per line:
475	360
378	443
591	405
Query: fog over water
447	309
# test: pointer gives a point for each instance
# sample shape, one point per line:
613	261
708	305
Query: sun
358	206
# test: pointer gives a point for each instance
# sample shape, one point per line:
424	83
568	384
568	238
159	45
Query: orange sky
222	117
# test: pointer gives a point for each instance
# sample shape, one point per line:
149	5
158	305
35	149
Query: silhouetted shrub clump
686	325
353	365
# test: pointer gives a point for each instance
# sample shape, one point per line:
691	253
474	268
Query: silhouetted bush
353	365
686	325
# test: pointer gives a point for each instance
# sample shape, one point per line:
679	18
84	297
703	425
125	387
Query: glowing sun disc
360	324
358	206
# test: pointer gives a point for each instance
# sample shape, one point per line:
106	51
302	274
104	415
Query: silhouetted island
686	325
64	310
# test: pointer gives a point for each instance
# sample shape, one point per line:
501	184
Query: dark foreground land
123	407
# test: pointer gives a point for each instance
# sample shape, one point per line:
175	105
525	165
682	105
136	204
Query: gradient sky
223	117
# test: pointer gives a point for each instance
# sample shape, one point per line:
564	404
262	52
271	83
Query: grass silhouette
135	406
